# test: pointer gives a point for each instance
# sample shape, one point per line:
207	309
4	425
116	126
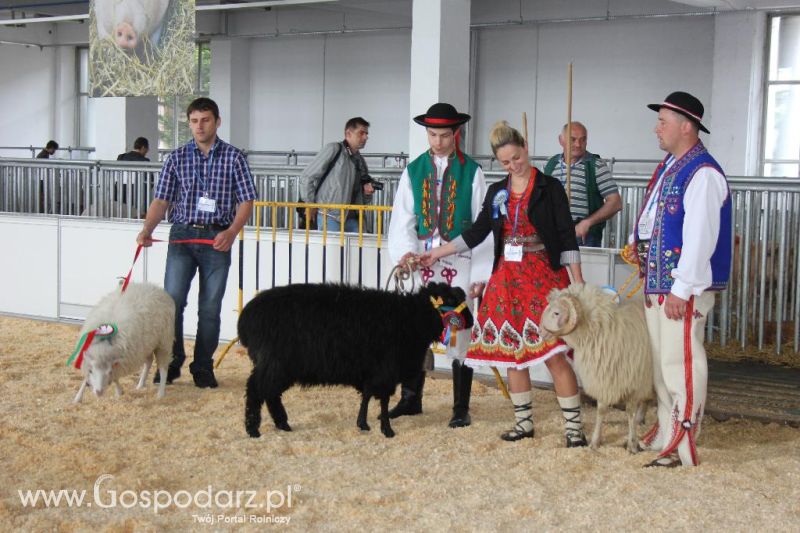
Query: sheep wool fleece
680	370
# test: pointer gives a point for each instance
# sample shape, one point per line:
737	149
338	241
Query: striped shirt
579	203
223	176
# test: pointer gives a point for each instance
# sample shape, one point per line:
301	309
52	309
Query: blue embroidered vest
667	238
452	212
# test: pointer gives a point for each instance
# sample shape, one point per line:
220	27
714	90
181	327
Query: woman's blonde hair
503	134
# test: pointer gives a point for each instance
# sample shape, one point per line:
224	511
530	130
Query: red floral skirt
506	331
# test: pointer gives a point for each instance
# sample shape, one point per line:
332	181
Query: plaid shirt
223	176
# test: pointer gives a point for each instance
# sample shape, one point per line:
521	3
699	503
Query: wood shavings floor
428	478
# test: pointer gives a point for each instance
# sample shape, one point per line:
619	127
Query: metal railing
267	214
45	186
109	189
294	158
302	158
72	152
761	307
400	160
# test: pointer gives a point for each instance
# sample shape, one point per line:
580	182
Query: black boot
410	397
462	387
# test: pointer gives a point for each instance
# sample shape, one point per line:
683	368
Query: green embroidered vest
594	198
452	212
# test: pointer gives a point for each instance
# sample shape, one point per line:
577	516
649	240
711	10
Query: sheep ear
459	294
571	310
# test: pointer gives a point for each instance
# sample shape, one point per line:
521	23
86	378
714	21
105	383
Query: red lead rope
139	251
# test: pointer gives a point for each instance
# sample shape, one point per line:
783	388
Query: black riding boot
462	387
410	397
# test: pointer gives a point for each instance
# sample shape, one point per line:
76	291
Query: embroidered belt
533	247
530	243
525	240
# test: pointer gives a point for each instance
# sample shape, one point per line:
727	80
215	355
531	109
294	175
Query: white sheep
613	355
143	318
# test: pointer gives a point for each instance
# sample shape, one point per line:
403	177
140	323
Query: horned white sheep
613	355
143	318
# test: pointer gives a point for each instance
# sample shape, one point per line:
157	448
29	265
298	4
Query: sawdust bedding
192	444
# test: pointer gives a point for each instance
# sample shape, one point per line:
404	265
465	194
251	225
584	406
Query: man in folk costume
683	238
439	195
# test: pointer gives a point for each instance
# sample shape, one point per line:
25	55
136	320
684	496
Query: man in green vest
439	195
594	197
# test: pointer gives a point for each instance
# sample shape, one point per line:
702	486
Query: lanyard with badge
204	203
512	251
648	219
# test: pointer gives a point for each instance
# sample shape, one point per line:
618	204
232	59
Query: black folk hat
442	115
685	104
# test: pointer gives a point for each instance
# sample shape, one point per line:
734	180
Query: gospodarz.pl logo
211	499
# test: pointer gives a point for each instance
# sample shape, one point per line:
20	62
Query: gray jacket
343	184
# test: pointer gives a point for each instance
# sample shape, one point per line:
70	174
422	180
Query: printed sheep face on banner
142	47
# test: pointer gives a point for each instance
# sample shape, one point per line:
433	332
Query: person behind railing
594	197
207	188
528	215
439	196
140	148
683	238
339	175
49	149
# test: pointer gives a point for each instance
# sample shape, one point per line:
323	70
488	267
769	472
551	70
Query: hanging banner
142	47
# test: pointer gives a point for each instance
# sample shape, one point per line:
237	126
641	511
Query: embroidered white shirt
402	233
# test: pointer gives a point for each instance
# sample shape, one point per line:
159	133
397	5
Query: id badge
432	242
646	227
512	252
206	204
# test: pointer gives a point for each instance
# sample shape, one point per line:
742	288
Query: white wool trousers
680	371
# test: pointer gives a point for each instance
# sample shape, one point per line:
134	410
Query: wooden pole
568	133
525	126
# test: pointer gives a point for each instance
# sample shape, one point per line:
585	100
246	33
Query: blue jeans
183	261
590	241
350	224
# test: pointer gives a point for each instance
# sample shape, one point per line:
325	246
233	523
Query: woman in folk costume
439	196
534	239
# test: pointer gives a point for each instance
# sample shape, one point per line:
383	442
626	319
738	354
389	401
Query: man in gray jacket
339	175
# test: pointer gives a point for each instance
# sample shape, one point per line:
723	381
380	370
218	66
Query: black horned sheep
341	335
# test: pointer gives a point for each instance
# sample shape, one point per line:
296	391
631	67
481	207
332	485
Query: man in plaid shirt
207	189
